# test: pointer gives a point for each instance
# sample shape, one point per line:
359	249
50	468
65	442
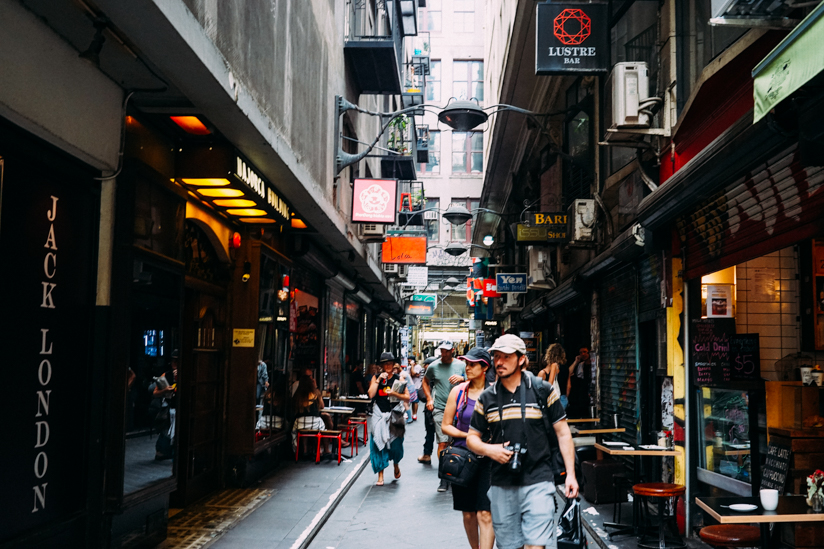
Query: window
432	225
434	164
433	82
430	16
464	20
463	233
467	152
468	80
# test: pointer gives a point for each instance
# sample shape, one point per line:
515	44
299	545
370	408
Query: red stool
359	420
305	433
663	492
333	435
731	535
350	434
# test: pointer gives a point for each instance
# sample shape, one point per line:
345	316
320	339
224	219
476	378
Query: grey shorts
437	415
523	515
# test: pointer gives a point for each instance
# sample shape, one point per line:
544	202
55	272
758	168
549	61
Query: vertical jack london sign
572	38
47	242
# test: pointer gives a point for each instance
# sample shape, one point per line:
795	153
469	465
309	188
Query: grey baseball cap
446	345
508	343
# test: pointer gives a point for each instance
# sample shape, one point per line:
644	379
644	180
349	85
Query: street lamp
464	116
458	215
454	249
488	240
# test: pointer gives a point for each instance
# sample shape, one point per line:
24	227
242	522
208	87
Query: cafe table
790	509
338	411
636	453
584	420
598	432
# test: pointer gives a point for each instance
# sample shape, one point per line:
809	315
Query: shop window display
724	434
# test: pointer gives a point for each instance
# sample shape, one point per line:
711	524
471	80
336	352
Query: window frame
424	166
432	82
467	78
457	11
424	12
467	152
466	228
433	203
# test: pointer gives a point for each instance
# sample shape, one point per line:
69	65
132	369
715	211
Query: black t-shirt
536	464
381	400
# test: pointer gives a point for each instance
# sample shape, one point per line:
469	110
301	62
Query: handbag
570	527
458	465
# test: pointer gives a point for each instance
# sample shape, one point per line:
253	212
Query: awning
793	63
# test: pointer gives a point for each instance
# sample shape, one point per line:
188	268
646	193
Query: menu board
719	356
776	466
745	358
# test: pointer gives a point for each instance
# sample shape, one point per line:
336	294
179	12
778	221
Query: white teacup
769	499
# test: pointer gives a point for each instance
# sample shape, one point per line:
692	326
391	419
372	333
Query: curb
592	534
332	505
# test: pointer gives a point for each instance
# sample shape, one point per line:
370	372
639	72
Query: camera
515	461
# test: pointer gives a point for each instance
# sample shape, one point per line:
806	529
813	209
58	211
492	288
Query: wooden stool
731	535
360	420
663	492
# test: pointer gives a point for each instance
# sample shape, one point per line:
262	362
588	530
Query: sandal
397	471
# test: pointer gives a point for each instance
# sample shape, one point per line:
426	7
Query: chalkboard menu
774	473
719	356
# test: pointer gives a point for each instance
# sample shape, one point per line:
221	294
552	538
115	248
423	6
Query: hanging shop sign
417	276
220	177
510	283
404	249
419	308
373	201
572	38
490	288
553	233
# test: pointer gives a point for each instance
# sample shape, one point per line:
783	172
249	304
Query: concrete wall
49	91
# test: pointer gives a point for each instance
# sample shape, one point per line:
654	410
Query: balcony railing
373	45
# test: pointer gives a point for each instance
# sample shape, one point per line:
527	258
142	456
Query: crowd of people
487	402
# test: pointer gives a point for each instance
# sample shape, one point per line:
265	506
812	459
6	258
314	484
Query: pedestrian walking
416	372
440	377
555	373
522	419
471	500
428	422
580	377
388	425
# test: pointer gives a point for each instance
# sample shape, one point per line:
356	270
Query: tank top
462	422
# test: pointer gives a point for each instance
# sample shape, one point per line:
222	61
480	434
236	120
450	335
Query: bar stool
662	492
731	535
361	420
305	433
350	435
331	435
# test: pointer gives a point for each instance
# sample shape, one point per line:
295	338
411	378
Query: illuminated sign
374	201
419	308
255	182
571	38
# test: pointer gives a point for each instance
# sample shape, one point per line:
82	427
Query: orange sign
404	249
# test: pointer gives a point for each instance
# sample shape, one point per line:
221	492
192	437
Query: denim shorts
523	515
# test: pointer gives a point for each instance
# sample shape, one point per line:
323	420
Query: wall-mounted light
234	242
247	271
191	124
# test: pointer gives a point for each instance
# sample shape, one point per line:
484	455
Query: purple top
462	422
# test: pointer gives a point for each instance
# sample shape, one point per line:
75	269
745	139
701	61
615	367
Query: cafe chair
662	492
361	420
731	535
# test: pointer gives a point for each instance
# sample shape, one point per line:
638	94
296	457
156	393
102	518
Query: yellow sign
243	338
551	218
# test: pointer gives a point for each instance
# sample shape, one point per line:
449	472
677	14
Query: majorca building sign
572	39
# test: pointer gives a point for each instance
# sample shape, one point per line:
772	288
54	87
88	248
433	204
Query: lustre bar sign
572	38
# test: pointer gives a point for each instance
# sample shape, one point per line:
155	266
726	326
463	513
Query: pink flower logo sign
374	201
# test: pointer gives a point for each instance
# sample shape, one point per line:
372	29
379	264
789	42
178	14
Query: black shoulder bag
458	465
557	459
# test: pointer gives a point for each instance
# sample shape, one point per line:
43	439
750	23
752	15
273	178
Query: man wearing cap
521	497
440	377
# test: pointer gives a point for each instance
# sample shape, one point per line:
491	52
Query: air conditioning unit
372	232
391	269
582	222
540	268
403	271
628	101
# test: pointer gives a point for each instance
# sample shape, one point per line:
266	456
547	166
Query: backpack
541	390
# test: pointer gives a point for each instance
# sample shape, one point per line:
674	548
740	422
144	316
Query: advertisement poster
374	201
719	301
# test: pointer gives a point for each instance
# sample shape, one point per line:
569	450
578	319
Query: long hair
555	353
306	388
